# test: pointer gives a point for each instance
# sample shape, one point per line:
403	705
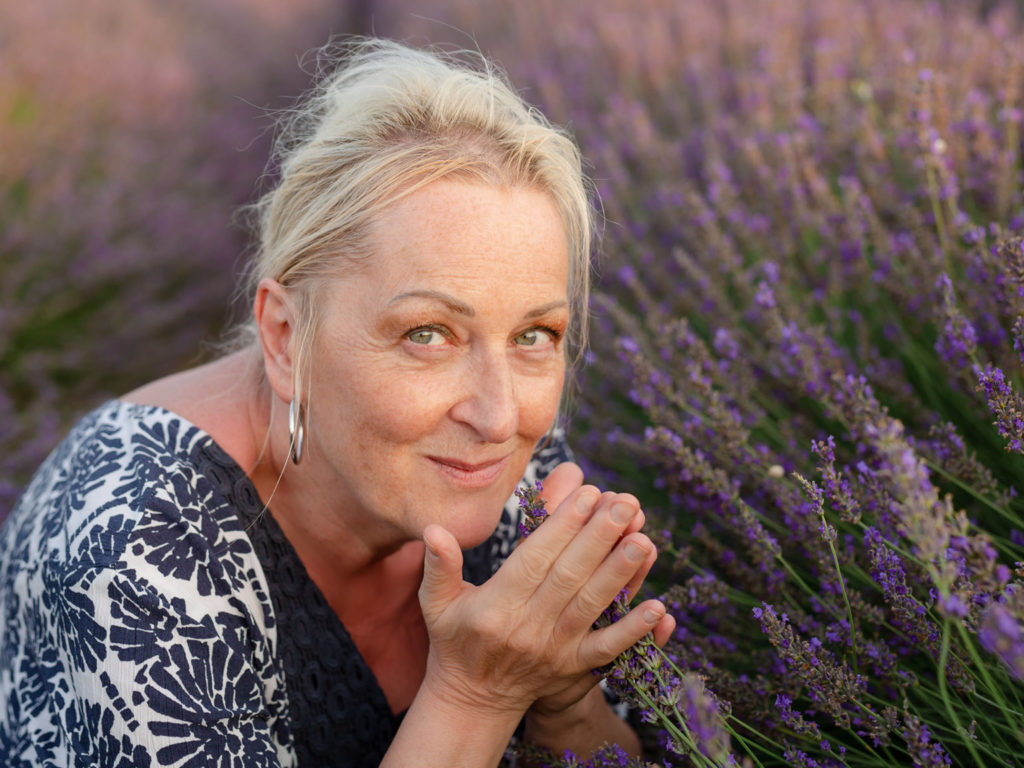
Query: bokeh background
130	133
808	339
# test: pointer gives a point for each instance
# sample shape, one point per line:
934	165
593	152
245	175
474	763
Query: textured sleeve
186	674
137	631
481	562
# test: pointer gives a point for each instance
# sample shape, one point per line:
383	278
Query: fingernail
653	615
622	513
635	552
585	502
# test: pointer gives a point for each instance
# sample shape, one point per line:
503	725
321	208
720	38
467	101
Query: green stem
747	745
806	587
846	598
940	224
1001	703
1004	513
677	730
947	703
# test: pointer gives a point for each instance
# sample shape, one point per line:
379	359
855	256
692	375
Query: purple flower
924	749
1002	633
952	606
958	341
532	508
765	296
1005	404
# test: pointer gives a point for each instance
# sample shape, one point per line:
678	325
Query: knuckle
533	559
590	604
486	625
522	642
564	578
603	647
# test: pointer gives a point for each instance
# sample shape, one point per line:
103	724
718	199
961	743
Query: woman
260	561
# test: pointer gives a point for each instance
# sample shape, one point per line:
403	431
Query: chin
474	528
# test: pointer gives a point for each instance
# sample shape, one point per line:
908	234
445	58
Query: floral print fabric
138	623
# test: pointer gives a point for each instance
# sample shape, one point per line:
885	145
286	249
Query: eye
537	337
426	336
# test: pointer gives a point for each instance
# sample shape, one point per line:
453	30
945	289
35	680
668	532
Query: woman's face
439	364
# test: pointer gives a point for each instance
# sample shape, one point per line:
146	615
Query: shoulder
127	491
220	397
130	593
132	487
101	477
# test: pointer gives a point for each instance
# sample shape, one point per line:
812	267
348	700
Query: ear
276	318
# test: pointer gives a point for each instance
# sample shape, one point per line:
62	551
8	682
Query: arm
189	677
441	735
170	652
438	732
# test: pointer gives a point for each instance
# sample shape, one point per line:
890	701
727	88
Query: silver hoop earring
296	431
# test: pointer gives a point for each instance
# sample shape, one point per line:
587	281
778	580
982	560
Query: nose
489	402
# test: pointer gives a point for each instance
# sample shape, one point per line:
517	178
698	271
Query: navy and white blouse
153	614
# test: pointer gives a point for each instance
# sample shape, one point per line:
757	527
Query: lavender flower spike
531	507
1005	404
1003	634
957	342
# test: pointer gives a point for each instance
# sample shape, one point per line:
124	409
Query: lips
469	473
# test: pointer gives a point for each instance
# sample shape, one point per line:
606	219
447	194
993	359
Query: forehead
454	231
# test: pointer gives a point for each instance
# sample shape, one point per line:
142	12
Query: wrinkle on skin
478	266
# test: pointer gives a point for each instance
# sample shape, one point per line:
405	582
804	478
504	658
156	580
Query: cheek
538	403
401	407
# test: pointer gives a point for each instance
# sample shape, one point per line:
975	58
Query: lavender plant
644	677
807	340
129	133
806	354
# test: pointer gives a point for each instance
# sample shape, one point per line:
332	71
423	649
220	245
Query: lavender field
808	337
129	134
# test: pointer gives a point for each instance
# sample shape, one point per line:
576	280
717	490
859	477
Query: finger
554	704
606	583
641	574
529	563
442	571
585	553
602	646
664	630
637	522
560	482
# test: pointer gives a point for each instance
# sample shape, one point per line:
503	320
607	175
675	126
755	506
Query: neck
335	547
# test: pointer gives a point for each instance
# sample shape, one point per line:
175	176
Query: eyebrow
462	308
455	305
545	308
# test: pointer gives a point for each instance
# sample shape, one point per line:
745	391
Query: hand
583	728
555	707
527	633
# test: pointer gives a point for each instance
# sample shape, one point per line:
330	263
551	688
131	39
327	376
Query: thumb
442	571
563	480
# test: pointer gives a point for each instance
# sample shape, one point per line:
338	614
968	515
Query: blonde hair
386	121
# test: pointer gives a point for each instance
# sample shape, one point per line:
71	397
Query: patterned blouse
152	616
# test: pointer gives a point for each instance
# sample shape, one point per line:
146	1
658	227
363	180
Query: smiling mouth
470	474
